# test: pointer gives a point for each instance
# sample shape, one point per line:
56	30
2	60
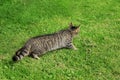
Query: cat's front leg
74	47
71	46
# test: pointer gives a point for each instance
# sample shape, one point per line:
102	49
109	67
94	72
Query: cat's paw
75	48
37	57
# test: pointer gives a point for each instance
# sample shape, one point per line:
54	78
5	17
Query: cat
39	45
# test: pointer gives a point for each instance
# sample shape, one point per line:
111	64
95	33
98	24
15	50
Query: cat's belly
57	46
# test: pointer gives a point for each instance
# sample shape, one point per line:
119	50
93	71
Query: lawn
98	42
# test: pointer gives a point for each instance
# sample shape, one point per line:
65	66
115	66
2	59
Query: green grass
98	43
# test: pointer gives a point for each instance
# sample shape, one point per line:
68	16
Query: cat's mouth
77	33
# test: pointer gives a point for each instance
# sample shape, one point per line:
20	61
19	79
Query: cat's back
61	34
50	41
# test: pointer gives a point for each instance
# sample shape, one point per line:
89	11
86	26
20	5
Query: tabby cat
37	46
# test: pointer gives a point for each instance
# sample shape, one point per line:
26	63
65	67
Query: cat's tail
20	54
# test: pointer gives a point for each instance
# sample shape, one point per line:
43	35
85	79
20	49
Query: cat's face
74	29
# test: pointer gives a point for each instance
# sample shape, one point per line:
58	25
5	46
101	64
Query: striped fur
39	45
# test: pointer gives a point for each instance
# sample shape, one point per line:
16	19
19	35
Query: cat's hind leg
35	54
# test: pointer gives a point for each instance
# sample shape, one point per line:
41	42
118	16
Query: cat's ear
70	25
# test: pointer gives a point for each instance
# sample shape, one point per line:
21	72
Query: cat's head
74	29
